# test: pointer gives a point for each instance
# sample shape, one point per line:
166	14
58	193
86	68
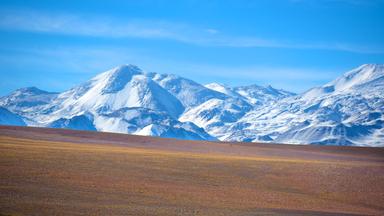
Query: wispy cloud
71	24
88	26
77	64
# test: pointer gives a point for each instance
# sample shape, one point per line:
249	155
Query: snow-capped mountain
261	96
214	114
148	122
223	89
188	92
253	94
346	111
125	99
27	101
217	114
125	86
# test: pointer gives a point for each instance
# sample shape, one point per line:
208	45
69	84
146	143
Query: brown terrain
66	172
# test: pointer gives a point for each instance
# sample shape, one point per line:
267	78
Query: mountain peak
127	68
125	99
217	87
30	90
368	70
216	84
358	77
119	76
372	65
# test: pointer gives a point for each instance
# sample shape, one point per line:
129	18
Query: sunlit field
62	172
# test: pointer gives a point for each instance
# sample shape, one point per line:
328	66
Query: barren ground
64	172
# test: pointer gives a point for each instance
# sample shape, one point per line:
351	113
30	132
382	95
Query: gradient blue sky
290	44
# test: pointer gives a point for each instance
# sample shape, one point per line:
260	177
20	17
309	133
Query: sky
289	44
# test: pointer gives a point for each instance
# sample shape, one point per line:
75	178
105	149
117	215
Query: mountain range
346	111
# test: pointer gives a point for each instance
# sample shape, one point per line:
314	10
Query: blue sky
290	44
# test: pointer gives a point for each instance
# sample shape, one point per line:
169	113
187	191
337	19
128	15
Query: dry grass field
64	172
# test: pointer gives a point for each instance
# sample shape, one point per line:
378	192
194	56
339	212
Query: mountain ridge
126	99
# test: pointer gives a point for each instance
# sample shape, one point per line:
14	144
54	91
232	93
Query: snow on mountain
213	114
205	107
253	94
125	99
346	111
27	101
187	91
367	75
187	131
124	86
217	115
109	101
223	89
143	121
259	95
9	118
365	79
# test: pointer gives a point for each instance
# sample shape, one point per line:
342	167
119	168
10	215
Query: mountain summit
116	79
346	111
363	76
126	99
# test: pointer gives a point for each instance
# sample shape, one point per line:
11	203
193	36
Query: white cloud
88	26
70	24
82	63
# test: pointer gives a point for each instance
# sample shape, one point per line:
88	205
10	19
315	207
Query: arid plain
65	172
